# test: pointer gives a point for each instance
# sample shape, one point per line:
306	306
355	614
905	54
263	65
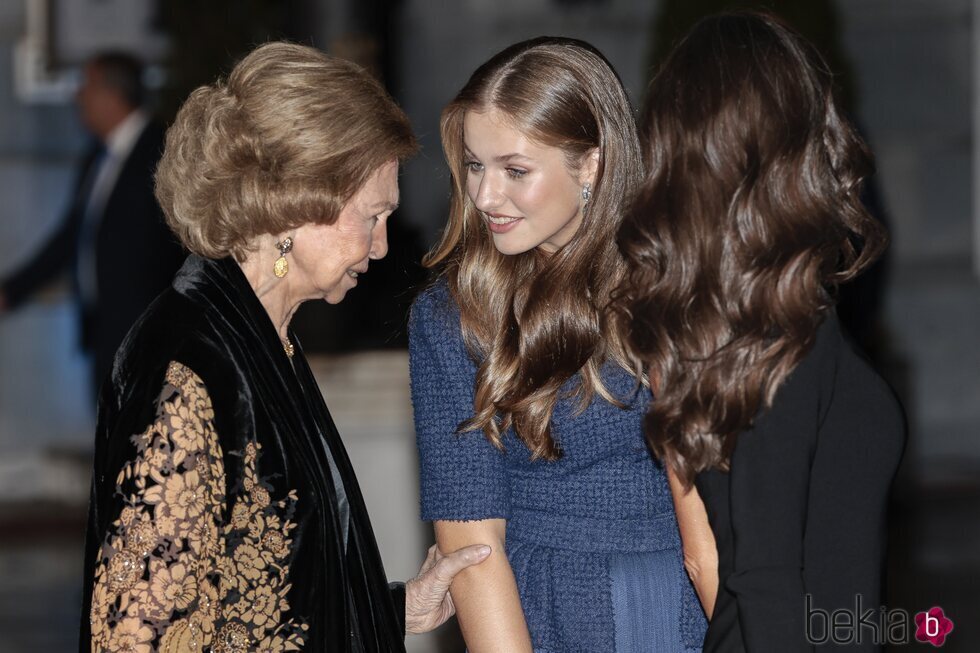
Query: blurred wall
44	399
914	63
913	60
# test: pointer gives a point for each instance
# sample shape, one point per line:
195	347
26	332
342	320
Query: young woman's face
525	191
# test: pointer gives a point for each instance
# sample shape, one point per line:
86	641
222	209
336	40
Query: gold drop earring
281	268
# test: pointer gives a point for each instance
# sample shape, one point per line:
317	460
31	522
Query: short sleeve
463	476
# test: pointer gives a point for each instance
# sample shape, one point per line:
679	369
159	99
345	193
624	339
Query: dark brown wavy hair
533	321
748	219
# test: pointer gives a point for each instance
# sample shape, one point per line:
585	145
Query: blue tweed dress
592	537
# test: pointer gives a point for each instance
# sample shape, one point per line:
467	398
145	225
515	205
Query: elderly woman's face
330	257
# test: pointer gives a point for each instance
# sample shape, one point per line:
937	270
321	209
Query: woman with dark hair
528	409
749	218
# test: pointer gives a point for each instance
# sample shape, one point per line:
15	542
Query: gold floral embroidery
125	568
141	539
233	638
172	575
131	636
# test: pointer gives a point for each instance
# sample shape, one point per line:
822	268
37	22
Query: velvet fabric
211	322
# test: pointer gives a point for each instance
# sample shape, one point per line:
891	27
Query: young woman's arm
487	602
464	483
700	552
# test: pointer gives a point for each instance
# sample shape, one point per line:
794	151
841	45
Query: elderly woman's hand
427	601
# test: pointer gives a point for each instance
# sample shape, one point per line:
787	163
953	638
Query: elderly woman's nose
379	241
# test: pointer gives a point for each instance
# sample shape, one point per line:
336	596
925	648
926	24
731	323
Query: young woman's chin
512	244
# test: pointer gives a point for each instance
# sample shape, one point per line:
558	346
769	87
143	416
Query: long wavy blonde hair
533	321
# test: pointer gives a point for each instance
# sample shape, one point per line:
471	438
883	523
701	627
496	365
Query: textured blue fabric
648	599
567	518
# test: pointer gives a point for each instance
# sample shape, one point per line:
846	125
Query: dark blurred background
907	75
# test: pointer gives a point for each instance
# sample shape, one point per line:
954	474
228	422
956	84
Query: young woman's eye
516	173
473	166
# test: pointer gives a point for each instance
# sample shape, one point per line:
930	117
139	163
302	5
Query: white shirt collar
121	140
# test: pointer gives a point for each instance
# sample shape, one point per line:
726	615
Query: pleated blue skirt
646	598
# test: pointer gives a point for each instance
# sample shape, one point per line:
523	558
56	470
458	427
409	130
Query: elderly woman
225	515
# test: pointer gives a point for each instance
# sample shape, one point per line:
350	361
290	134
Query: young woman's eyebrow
505	158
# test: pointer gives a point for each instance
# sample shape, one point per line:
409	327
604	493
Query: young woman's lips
501	224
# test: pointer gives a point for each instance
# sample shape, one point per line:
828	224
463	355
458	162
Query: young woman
748	219
528	411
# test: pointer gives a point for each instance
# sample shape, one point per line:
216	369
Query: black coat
799	520
281	500
135	255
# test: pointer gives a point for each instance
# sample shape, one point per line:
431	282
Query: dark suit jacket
136	255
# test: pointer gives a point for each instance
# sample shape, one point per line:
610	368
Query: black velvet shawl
212	323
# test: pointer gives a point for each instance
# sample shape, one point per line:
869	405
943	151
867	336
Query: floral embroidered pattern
171	575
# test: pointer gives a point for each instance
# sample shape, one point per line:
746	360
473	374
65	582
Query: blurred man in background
113	238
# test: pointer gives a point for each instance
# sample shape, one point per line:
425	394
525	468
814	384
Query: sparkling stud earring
587	192
282	265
